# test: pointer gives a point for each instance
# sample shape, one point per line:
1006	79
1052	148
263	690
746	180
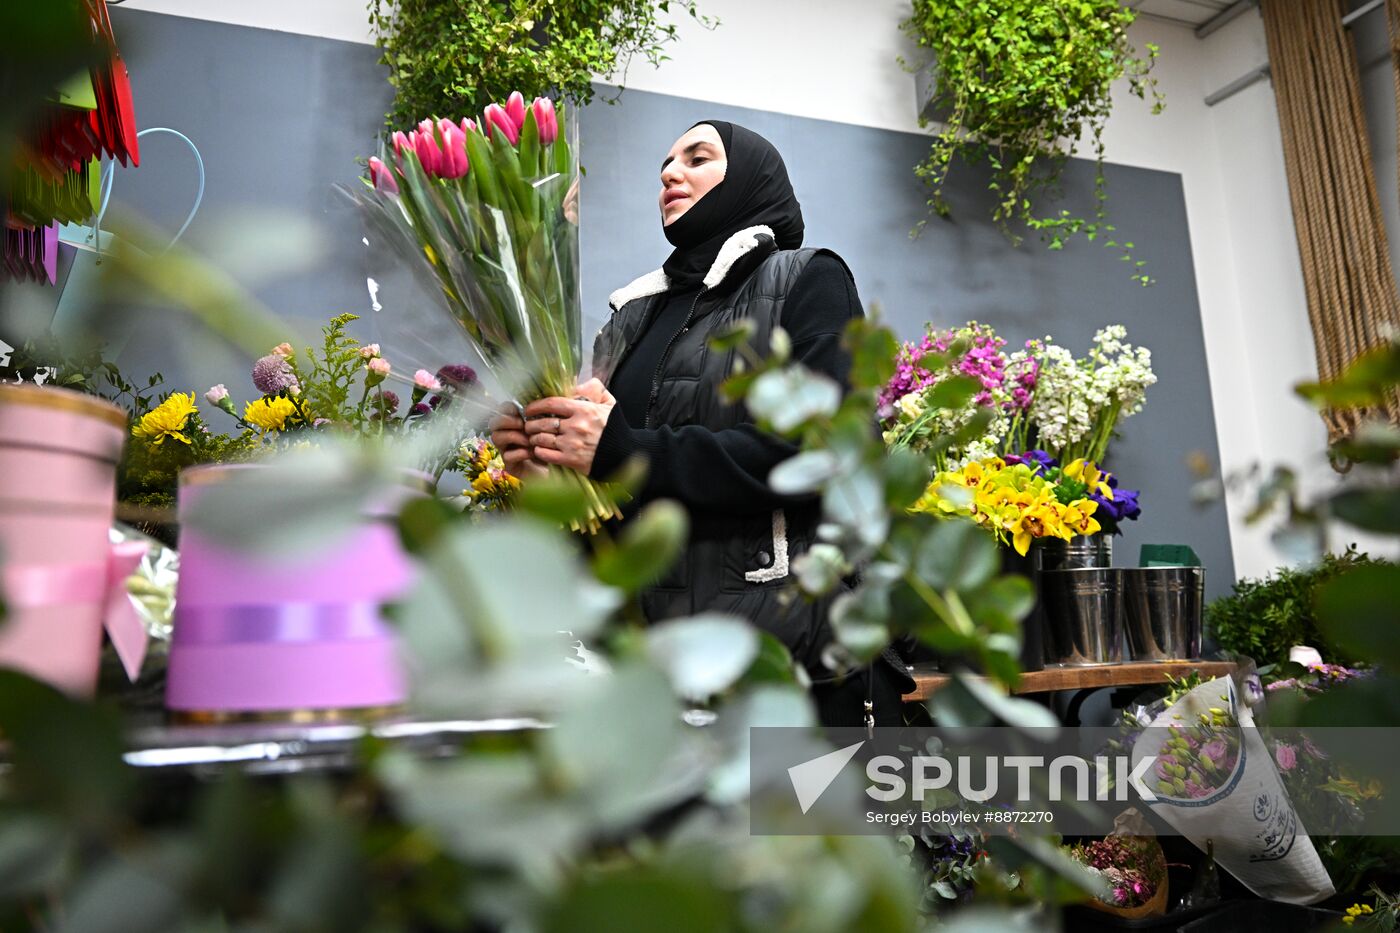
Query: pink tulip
546	120
515	109
428	152
401	142
381	177
496	116
454	149
468	125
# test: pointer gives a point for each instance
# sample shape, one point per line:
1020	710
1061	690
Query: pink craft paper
119	617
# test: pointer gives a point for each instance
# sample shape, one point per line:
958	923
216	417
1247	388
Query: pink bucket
58	456
285	638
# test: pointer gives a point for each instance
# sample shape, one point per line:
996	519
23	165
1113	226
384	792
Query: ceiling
1183	12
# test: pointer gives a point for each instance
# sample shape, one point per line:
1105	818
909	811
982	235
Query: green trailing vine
452	57
1021	85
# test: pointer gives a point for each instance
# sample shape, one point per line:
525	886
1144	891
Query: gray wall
281	118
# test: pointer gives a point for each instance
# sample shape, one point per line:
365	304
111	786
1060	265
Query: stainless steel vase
1084	615
1162	609
1080	551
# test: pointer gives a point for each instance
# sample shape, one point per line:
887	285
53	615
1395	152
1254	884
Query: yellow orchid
269	414
1037	521
1089	474
1078	516
168	419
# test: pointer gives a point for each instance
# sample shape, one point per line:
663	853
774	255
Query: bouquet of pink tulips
489	210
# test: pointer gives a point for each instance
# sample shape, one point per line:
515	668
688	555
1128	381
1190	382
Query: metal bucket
1162	611
1079	551
1084	615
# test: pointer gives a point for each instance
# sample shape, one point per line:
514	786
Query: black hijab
755	190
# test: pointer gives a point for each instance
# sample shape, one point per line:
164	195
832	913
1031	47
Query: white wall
837	60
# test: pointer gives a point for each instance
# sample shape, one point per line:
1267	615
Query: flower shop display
292	637
1037	398
63	580
1216	780
487	211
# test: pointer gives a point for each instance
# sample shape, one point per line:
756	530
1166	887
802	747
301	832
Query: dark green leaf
1361	611
1371	509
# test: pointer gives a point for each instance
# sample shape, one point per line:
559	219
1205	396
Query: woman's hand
509	437
566	431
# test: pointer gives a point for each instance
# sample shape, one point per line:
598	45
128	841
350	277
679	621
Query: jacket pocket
766	560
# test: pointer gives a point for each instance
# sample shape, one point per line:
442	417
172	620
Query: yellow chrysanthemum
269	414
168	419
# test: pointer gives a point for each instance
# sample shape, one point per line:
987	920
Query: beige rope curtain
1351	291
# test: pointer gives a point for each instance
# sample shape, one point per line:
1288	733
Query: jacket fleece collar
654	283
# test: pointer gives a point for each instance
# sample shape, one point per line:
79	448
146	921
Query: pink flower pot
287	637
58	456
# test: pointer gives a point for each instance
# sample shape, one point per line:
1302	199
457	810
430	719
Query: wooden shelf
1137	674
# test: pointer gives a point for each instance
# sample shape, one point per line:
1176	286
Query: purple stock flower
389	401
419	409
272	375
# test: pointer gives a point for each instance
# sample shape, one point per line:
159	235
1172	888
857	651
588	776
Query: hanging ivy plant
452	57
1021	85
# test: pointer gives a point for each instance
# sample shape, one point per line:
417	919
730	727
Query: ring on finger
558	425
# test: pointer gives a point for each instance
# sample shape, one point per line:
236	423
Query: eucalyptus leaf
702	655
790	397
642	897
1372	509
972	701
34	851
734	335
648	547
856	500
820	569
1360	611
956	555
805	472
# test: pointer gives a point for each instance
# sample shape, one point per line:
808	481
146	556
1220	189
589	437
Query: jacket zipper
666	354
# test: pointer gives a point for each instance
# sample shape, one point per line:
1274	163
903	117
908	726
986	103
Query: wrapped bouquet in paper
1215	780
488	211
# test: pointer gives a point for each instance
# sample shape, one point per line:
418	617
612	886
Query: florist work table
1137	674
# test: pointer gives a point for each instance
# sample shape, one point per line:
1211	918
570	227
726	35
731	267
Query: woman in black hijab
730	213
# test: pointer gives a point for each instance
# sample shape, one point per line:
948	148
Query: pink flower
426	381
216	394
283	350
376	370
369	351
496	117
546	119
381	177
1216	749
454	151
1285	756
426	147
468	125
401	142
515	109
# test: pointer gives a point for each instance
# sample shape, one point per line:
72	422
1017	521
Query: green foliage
450	58
1264	618
1023	84
327	383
